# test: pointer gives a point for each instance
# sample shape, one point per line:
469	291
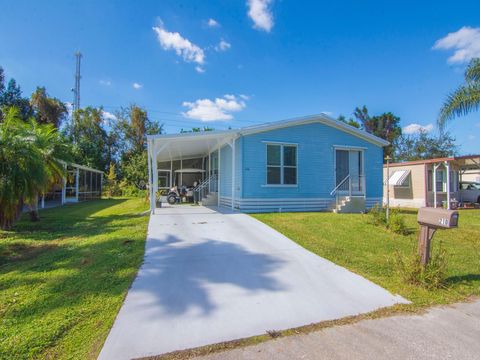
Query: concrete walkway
213	275
442	333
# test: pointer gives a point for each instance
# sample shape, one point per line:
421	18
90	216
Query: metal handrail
203	188
340	184
361	187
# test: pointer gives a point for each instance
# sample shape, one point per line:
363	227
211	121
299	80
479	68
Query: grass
63	279
352	241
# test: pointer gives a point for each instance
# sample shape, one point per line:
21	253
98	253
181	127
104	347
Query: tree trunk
8	218
34	209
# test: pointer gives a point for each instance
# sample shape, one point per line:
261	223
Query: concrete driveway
212	275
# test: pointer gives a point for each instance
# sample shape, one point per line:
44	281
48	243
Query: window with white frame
281	164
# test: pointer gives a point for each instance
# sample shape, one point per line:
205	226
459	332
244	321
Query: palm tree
29	162
466	98
51	149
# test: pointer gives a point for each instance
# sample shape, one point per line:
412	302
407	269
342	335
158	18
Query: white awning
398	177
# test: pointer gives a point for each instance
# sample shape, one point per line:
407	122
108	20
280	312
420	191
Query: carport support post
155	176
447	167
209	172
233	174
150	184
219	176
435	185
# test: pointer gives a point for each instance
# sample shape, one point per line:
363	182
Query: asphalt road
450	332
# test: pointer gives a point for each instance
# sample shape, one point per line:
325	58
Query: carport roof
467	162
176	146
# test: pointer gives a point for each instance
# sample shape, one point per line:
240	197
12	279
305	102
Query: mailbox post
431	219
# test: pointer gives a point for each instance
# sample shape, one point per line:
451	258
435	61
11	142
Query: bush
413	272
396	221
131	190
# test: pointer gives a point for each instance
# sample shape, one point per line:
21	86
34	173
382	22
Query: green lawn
63	279
350	240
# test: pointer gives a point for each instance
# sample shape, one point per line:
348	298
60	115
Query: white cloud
182	46
105	82
223	46
260	13
199	69
465	43
244	97
137	86
212	23
213	110
108	116
416	128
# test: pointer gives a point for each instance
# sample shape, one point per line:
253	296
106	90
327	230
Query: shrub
413	272
396	223
378	215
131	190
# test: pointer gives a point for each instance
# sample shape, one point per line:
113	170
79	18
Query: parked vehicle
470	192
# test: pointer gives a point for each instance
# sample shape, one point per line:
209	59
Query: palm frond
472	73
460	102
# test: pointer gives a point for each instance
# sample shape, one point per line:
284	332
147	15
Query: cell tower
76	89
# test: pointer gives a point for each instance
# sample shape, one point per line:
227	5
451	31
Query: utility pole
387	159
76	89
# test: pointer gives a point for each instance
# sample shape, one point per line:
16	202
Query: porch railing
350	185
207	186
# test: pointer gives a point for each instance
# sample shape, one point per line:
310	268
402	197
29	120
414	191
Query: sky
236	63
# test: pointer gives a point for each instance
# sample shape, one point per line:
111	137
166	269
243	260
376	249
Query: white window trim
281	166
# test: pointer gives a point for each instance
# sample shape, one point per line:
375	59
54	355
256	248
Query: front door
349	171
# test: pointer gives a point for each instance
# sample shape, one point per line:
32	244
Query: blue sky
257	61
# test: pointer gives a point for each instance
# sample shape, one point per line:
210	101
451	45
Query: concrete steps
210	200
349	204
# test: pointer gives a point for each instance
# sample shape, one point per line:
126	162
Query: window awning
398	177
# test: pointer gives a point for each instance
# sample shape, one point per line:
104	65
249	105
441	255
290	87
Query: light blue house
313	163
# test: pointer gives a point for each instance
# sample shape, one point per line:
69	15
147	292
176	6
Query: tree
11	95
385	126
135	170
422	146
47	110
132	125
197	129
112	184
349	121
30	160
89	138
465	99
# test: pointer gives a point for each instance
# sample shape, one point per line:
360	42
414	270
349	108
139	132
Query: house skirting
287	204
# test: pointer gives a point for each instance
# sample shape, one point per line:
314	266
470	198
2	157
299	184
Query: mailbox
431	219
437	218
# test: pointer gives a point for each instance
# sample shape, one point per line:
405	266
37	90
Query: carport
168	154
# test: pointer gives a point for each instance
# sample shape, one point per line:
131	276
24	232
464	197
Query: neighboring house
411	184
80	183
308	164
